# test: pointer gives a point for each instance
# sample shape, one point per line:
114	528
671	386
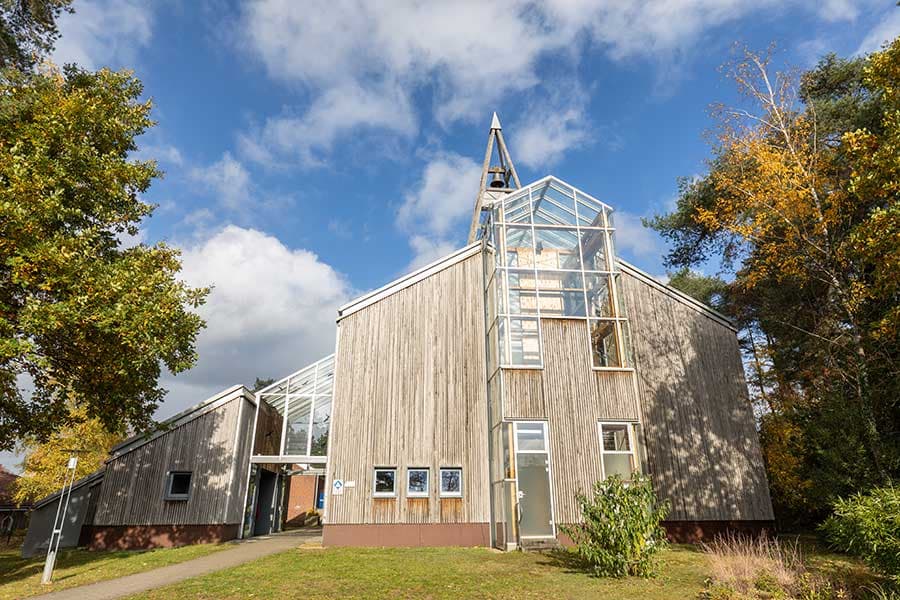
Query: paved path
243	551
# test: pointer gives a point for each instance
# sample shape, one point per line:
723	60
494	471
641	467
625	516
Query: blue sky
315	150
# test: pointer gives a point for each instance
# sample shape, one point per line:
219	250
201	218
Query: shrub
868	526
620	532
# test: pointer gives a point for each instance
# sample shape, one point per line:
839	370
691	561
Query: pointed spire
503	175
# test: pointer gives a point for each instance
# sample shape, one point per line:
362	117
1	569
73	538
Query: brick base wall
142	537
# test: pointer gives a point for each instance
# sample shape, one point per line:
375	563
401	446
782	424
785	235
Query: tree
28	30
89	321
44	467
261	383
801	202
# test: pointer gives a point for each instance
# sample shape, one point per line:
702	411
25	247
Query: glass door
533	480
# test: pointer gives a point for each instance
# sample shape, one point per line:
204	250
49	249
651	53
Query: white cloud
634	239
272	311
104	33
548	131
442	201
227	179
337	111
886	30
357	64
164	153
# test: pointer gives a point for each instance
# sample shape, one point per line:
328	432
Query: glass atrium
554	257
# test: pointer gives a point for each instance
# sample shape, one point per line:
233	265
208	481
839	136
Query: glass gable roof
303	400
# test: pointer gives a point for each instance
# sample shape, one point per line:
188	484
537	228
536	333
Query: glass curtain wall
554	257
304	402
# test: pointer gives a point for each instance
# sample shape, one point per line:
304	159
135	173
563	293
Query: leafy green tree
801	204
28	30
88	320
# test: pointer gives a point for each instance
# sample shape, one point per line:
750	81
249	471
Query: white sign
350	484
337	487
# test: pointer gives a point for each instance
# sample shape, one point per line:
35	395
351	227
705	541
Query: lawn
311	573
21	577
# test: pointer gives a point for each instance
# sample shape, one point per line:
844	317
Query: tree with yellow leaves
801	202
45	463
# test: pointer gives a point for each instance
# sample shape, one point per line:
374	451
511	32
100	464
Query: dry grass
745	564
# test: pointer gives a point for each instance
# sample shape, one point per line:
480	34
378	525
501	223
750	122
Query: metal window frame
632	451
441	491
170	478
377	494
427	492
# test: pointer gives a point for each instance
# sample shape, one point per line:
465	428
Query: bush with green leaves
620	532
868	526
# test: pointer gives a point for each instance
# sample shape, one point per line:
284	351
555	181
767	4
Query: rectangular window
385	482
178	485
530	437
417	482
451	482
617	449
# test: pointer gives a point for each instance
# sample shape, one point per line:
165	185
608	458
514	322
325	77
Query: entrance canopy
294	417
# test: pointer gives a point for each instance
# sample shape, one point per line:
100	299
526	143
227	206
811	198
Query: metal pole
59	520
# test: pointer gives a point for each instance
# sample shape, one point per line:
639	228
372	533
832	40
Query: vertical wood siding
698	427
410	392
572	397
133	486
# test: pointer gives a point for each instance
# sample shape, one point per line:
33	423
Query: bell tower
497	180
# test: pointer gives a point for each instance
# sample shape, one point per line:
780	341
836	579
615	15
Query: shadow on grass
15	568
566	561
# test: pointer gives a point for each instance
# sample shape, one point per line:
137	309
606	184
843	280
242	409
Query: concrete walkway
243	551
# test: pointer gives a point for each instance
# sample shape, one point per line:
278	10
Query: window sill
450	496
386	496
614	369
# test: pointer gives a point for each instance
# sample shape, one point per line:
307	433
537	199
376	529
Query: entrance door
265	503
533	480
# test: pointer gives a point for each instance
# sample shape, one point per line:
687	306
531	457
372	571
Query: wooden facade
699	433
410	392
214	446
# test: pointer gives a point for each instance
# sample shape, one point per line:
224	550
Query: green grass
311	573
21	577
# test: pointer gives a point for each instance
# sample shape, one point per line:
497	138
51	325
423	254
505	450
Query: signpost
60	519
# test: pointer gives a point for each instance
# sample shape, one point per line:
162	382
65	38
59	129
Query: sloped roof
96	476
194	412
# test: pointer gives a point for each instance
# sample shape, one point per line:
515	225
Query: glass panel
562	304
626	343
524	343
417	482
534	494
610	222
612	250
276	401
617	464
517	209
519	247
503	340
554	204
593	249
384	481
321	424
325	377
451	482
620	300
522	297
556	248
590	212
598	295
604	347
304	383
298	425
615	438
530	436
506	433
